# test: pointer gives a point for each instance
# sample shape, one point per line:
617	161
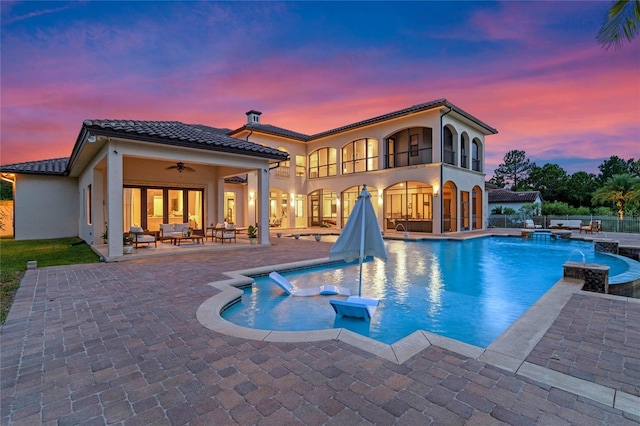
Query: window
323	208
408	206
449	154
391	148
88	206
149	207
299	207
409	147
360	156
194	209
283	168
230	207
322	163
301	165
349	198
464	206
131	208
475	156
414	146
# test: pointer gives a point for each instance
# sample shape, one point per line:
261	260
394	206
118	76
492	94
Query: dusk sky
533	70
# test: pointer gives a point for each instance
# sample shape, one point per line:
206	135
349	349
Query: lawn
14	256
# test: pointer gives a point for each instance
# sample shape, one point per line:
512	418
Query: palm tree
619	189
622	19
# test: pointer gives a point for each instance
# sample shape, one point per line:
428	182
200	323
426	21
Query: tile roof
181	134
406	111
507	196
279	131
273	130
56	166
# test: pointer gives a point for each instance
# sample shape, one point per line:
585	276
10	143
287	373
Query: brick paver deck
119	343
595	339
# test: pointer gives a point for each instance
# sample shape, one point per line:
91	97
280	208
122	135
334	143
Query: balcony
449	157
409	158
283	172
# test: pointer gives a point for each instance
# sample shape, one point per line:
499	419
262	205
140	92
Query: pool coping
508	351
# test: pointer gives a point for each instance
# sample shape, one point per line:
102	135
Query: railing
283	171
449	157
408	158
609	223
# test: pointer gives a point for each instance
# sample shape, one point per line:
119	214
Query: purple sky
533	70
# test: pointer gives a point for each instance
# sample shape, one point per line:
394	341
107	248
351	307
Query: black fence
609	223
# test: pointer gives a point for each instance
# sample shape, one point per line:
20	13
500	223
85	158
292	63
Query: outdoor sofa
171	230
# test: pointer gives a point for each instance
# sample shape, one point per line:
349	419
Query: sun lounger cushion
327	289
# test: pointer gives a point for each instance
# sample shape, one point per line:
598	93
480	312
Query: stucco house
424	165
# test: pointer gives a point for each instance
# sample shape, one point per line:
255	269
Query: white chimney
253	117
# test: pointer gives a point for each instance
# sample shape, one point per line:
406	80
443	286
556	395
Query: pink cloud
566	98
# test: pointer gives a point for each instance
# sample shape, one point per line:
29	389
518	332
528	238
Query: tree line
614	190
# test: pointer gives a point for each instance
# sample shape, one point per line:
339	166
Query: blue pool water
466	290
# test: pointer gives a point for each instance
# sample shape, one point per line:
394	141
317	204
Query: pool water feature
470	290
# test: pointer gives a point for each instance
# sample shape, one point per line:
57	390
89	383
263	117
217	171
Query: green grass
14	256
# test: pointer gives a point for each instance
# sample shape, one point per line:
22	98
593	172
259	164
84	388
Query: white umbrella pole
362	229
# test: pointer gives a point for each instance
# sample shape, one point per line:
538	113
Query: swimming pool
467	290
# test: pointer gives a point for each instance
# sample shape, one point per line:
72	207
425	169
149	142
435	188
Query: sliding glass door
149	207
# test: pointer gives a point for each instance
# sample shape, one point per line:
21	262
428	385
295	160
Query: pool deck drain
119	343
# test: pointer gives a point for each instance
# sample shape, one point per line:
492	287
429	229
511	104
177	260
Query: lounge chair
140	236
354	306
528	224
224	231
324	290
593	226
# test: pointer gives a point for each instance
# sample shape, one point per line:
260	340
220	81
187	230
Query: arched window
475	156
449	153
449	207
349	198
360	156
476	207
322	163
408	206
464	150
323	208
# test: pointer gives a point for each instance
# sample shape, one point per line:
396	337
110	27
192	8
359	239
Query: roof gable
180	134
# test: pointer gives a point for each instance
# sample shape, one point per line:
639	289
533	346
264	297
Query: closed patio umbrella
361	237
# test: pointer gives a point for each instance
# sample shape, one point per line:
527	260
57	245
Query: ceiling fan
180	167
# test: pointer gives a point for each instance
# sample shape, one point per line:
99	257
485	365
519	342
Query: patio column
262	207
114	203
218	196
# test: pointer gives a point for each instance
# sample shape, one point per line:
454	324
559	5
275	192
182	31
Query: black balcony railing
409	158
449	157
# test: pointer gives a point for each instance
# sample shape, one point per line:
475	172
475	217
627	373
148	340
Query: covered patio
151	174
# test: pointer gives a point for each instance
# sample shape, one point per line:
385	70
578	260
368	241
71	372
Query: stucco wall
46	207
6	214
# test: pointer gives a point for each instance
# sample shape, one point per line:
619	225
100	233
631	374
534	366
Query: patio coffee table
195	239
